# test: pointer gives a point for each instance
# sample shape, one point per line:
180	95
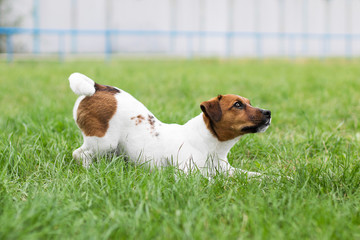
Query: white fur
81	84
188	147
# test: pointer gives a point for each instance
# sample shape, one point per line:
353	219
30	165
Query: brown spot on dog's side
105	88
226	122
153	131
151	121
94	113
138	119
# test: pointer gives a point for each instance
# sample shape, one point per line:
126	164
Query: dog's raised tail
81	84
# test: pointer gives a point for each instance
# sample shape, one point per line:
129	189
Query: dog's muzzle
266	121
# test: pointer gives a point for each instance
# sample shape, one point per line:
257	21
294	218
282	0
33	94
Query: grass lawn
314	138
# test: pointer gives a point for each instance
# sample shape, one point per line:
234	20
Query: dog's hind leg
95	147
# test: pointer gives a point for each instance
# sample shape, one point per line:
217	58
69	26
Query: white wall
297	16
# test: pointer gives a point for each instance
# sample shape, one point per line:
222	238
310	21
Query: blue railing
258	37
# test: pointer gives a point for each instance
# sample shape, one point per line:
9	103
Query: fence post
348	13
202	22
229	35
173	24
190	37
108	19
73	26
61	46
9	47
326	38
258	35
281	28
305	16
292	46
107	45
36	5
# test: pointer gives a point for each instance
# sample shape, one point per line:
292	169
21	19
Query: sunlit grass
314	139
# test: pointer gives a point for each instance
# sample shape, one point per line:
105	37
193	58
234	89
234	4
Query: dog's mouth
257	128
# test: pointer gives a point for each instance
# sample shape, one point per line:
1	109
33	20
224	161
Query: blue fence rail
257	37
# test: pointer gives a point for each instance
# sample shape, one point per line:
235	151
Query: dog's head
230	116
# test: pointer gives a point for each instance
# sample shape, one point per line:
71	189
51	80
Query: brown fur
227	122
112	90
151	121
94	112
138	119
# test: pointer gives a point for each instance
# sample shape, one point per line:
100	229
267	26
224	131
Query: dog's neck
204	139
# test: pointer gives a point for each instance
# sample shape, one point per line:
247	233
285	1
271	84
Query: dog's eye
239	105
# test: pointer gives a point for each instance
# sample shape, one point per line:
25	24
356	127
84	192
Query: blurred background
180	28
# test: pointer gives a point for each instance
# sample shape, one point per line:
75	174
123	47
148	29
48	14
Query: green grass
314	138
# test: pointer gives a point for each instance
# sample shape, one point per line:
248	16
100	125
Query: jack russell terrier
113	121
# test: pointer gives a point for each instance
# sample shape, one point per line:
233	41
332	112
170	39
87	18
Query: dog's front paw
252	174
83	157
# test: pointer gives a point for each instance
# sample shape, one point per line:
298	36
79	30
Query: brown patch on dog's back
94	112
105	88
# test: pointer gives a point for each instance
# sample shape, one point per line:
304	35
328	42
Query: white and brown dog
111	120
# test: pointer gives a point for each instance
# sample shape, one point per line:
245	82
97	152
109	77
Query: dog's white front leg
248	173
225	167
84	156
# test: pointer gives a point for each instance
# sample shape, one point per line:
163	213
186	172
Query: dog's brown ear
212	109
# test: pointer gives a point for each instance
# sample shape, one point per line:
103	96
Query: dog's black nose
267	113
